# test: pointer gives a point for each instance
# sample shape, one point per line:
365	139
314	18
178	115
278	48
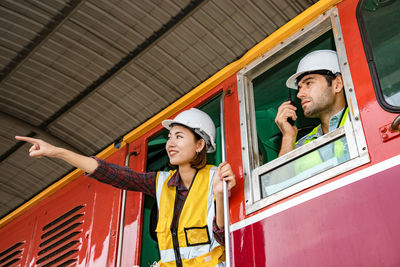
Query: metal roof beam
39	39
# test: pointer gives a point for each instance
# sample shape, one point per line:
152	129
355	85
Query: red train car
333	214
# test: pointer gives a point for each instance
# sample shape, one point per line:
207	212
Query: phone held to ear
290	120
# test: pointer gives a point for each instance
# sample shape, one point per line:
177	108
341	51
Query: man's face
315	95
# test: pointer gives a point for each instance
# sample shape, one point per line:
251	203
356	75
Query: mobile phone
290	120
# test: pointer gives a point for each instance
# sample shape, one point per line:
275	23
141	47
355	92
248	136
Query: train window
262	89
270	92
378	21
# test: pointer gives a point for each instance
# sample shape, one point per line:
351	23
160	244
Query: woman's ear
200	145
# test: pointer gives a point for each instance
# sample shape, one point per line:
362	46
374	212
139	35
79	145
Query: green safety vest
313	159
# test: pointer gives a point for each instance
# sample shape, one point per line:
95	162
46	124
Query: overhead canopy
82	73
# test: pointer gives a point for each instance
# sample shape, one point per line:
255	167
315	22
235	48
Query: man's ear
338	84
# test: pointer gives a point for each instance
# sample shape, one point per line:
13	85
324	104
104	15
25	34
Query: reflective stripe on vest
197	244
313	158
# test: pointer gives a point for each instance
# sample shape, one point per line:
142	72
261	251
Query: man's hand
289	132
286	111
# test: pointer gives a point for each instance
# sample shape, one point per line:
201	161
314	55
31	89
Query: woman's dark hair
200	160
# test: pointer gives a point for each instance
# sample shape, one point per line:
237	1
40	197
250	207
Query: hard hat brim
167	124
291	82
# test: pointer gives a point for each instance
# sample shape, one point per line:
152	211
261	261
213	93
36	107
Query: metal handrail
122	217
225	186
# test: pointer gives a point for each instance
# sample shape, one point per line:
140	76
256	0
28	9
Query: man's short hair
329	75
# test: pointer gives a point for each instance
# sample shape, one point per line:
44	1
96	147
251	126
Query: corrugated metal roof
82	73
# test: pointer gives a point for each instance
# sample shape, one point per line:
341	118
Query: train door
157	160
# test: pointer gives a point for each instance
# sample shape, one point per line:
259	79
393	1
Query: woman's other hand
224	173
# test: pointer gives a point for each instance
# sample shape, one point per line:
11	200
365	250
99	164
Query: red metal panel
78	225
356	225
372	115
105	219
134	209
234	148
56	222
15	240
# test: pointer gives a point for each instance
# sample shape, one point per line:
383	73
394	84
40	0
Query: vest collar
340	117
175	180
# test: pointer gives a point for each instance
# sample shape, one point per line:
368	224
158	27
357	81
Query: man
321	91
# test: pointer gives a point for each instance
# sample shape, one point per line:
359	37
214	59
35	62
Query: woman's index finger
27	139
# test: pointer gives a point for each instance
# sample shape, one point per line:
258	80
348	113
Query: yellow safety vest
313	159
194	238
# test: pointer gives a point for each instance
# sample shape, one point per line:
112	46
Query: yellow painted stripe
274	39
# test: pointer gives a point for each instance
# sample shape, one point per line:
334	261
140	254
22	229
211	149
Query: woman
190	199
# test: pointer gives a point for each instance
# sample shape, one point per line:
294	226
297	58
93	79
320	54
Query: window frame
371	62
252	169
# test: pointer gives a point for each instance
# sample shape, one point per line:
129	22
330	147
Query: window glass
382	20
270	92
302	168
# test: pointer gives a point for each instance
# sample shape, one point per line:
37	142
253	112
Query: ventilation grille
61	239
12	255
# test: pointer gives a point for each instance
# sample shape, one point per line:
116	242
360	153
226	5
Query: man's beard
315	109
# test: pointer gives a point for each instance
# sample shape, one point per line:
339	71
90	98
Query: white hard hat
199	122
315	61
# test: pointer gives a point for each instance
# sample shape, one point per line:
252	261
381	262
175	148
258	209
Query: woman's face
182	145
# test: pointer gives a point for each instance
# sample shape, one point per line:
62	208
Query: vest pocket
197	236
